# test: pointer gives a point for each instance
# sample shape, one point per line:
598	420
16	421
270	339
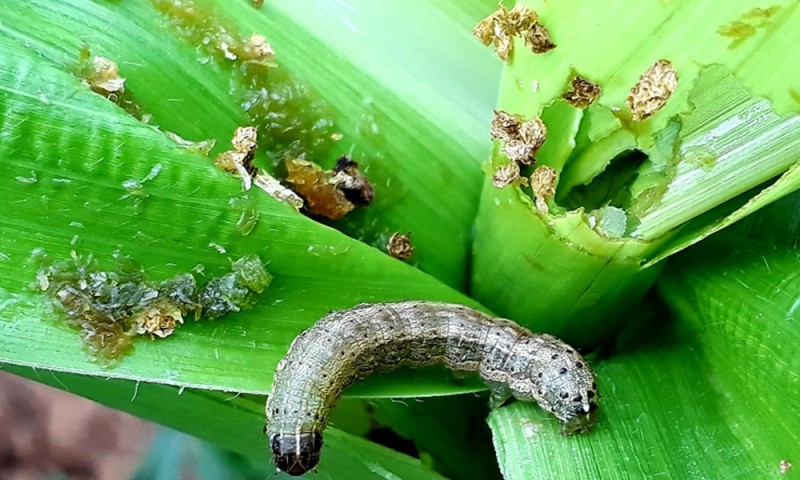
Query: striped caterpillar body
348	345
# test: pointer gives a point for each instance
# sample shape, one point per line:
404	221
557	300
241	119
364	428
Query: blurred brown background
46	433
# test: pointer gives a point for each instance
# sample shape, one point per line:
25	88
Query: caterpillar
349	345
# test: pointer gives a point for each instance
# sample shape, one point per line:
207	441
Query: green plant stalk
545	280
724	145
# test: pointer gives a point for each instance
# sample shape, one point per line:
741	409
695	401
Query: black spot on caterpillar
348	345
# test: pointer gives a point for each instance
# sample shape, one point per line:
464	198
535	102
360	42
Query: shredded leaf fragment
583	92
275	189
248	216
135	191
239	161
653	89
203	147
400	246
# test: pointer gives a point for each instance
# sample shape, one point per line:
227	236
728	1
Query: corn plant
112	113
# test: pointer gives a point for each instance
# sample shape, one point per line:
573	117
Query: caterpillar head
581	419
571	394
296	453
564	385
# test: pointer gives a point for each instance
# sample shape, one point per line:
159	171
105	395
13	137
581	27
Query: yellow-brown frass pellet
529	139
104	78
653	89
504	126
522	139
313	183
484	30
157	319
257	50
495	30
245	139
348	178
400	246
583	92
533	133
499	28
258	3
349	345
330	193
543	181
535	35
506	175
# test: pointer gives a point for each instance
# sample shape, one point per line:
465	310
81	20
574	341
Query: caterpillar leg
499	394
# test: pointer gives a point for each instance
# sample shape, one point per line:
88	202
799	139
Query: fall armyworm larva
348	345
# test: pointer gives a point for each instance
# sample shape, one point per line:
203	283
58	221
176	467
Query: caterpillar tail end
296	453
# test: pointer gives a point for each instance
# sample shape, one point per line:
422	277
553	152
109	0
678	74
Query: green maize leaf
406	90
67	155
182	213
403	88
712	395
233	422
724	145
420	149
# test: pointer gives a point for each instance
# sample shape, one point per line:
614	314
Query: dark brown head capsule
296	454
